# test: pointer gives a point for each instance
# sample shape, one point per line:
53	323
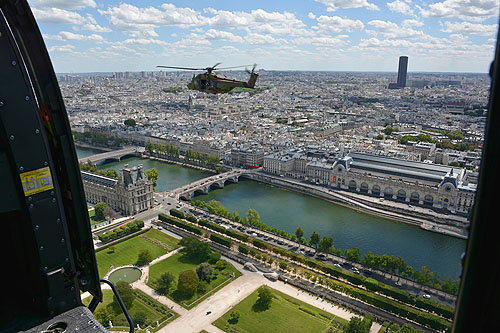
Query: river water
288	210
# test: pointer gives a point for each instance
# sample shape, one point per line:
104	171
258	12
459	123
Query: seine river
288	210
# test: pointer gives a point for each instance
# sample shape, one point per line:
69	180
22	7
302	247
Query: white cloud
223	35
255	39
311	16
56	15
322	41
474	10
66	35
412	23
333	5
143	21
144	41
399	6
63	4
62	48
470	28
336	24
393	31
252	20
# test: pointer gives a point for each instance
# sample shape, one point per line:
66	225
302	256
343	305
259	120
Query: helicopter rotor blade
233	67
187	68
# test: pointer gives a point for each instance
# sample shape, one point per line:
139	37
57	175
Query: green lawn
179	263
125	253
154	310
286	314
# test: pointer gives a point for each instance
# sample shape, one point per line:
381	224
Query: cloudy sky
337	35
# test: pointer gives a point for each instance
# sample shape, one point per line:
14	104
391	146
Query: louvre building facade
130	194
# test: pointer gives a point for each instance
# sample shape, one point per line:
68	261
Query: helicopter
214	83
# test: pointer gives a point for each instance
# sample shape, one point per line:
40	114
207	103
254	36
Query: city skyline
321	35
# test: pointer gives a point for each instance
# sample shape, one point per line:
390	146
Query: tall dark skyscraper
402	71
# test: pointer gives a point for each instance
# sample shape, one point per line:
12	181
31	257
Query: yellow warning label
36	181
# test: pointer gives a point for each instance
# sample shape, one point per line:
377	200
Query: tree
111	173
214	257
194	248
234	316
202	287
220	264
140	318
126	293
315	239
104	315
164	283
358	325
253	217
265	297
99	210
353	254
153	175
326	244
299	233
130	122
144	257
109	213
204	271
187	282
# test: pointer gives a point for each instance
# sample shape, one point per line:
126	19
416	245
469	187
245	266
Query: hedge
221	240
180	224
261	244
191	218
121	231
243	249
238	235
177	213
390	305
211	225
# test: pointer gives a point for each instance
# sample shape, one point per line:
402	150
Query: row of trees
209	160
174	152
391	264
162	149
91	167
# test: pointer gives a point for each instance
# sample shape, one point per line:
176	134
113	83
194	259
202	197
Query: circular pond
127	274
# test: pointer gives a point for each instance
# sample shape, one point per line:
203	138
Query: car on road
355	270
397	283
337	265
426	296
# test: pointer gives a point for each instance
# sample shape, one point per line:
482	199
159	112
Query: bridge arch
130	155
388	192
401	194
107	160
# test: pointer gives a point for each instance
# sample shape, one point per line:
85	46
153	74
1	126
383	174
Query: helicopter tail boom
253	78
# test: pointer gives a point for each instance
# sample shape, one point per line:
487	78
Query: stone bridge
114	155
203	186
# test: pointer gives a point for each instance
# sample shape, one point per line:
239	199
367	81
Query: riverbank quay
401	212
345	300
